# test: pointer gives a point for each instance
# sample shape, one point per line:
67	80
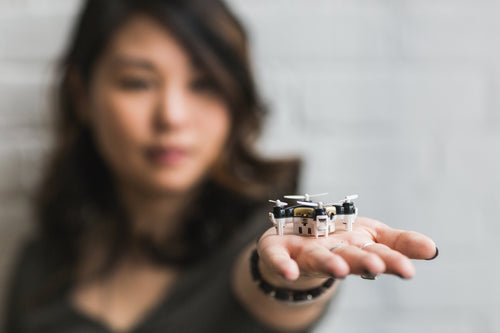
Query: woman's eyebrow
126	61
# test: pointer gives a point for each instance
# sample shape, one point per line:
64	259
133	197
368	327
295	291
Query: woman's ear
79	94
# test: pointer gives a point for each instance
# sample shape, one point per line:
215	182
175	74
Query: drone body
313	218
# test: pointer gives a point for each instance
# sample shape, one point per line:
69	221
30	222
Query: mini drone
313	218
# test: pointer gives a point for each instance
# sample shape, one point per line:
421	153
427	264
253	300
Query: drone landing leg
350	220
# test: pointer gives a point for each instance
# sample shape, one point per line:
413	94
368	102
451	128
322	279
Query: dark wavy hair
76	203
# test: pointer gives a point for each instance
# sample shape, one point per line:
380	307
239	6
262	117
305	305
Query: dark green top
200	301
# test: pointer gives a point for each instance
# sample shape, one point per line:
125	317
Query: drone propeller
348	198
311	204
278	203
306	197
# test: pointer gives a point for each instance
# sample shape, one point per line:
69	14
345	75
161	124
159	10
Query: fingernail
368	275
435	256
337	277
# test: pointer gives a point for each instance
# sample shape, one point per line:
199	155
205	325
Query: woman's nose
172	111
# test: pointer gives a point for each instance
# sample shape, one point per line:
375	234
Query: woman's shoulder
30	252
30	266
24	276
29	247
35	268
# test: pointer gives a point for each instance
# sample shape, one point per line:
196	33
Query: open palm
371	248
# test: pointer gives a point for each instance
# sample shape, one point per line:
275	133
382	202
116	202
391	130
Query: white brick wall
397	100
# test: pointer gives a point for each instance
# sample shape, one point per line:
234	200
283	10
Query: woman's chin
165	181
172	185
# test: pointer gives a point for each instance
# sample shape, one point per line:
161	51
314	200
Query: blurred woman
153	195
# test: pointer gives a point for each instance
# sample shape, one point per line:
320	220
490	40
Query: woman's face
156	118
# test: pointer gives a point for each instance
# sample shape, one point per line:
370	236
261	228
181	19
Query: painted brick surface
397	100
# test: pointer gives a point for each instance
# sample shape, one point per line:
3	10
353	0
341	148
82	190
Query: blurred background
396	100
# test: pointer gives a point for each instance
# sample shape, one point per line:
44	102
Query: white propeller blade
348	198
305	197
279	203
311	204
295	197
308	203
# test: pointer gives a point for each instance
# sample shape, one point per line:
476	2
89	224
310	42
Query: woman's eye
135	84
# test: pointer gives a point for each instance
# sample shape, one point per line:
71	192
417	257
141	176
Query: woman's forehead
143	43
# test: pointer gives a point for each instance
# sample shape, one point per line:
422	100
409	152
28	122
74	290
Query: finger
318	259
410	243
396	263
278	259
361	262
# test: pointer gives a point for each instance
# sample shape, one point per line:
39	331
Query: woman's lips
166	156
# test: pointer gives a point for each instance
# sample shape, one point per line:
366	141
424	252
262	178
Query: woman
153	196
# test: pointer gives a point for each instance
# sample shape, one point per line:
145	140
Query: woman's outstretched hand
292	262
371	248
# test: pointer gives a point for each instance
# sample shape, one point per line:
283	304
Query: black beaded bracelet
282	294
